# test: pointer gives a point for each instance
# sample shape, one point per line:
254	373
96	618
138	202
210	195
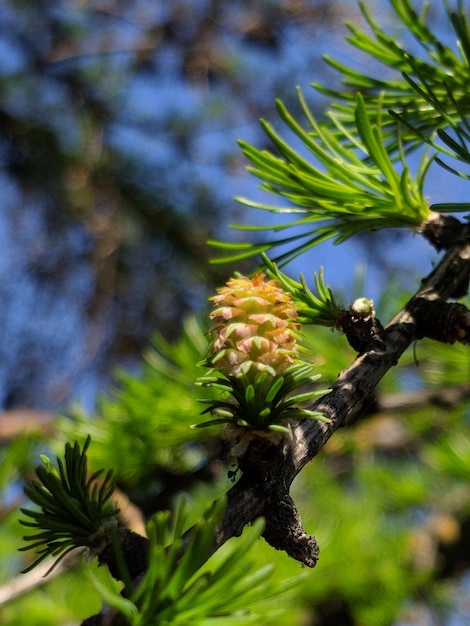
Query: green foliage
381	509
73	508
433	95
187	587
443	364
428	94
359	543
319	309
265	404
451	454
181	584
67	599
355	187
350	172
145	423
378	494
16	458
367	505
257	363
191	587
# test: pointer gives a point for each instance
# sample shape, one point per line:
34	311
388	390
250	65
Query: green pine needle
349	184
191	585
267	404
352	174
73	507
427	92
320	309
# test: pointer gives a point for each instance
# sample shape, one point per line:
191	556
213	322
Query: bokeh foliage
387	499
118	129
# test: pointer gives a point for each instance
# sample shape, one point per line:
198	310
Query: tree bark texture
268	470
268	467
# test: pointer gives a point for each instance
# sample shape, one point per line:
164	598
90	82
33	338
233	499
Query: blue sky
183	136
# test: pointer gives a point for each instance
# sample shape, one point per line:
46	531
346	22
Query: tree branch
268	470
268	467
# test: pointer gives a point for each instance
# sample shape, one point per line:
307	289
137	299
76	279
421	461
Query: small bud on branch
255	358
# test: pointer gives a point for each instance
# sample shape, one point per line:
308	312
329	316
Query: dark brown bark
445	231
267	468
259	491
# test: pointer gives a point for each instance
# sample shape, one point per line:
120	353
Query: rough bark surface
268	468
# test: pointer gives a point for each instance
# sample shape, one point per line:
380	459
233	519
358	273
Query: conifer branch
268	470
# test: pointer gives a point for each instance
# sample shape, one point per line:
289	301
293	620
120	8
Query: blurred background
119	122
118	131
118	152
